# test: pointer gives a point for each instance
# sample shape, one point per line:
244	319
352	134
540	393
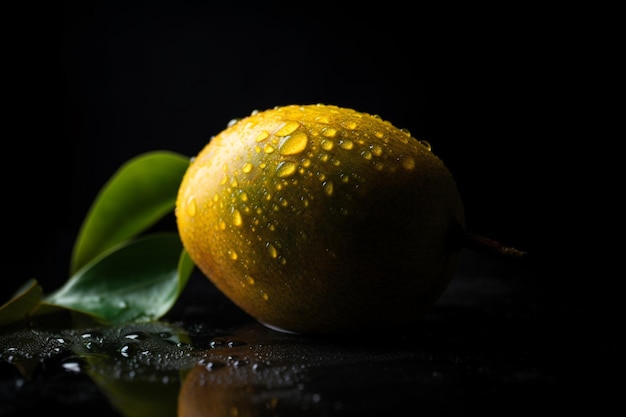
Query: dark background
496	90
96	83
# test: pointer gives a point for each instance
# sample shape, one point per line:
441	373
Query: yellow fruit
321	219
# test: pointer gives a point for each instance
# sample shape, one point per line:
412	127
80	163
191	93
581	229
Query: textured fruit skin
320	219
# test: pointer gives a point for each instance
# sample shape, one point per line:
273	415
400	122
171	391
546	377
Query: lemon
318	219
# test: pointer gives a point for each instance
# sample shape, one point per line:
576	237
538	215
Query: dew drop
329	132
268	149
237	220
377	150
366	155
232	255
72	367
236	342
346	144
327	144
212	365
350	125
286	169
328	188
236	362
287	129
294	144
247	167
426	145
271	250
217	342
264	134
191	206
404	138
127	350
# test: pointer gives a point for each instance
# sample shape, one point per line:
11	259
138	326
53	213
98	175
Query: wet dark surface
497	343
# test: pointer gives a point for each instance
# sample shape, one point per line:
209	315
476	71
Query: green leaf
136	281
140	193
23	303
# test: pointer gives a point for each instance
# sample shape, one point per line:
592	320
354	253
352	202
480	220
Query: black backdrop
498	91
96	83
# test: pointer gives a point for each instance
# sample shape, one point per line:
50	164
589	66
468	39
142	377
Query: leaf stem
489	246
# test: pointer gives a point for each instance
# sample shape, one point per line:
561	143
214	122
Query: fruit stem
489	246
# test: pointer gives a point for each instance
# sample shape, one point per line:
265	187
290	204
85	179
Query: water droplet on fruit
327	144
328	188
264	134
426	144
294	144
237	220
247	167
286	169
329	132
350	125
191	206
404	138
346	144
287	129
271	250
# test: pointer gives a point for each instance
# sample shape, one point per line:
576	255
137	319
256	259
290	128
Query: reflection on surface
159	369
136	366
479	351
258	372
